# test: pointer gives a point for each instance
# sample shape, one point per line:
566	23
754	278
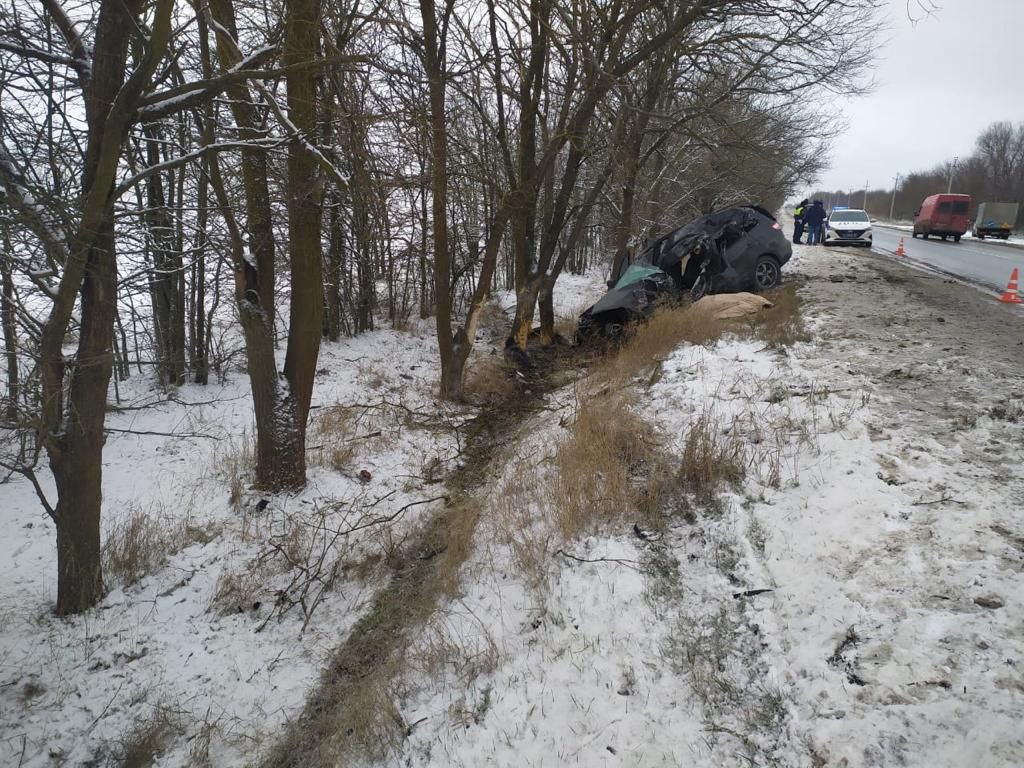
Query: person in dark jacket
798	220
814	217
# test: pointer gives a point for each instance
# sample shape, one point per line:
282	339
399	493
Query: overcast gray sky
939	83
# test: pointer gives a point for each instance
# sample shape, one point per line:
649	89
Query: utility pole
892	205
952	168
865	206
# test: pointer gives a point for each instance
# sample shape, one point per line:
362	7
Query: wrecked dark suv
732	250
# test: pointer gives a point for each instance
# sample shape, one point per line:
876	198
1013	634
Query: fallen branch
162	434
750	593
945	498
621	561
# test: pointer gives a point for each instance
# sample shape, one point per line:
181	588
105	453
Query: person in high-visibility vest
798	221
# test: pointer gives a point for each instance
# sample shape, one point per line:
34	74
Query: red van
943	215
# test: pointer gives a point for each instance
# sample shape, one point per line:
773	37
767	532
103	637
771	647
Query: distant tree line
993	172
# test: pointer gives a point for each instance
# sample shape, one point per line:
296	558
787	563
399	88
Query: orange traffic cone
1010	294
899	249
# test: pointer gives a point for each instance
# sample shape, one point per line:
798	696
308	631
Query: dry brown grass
332	438
235	466
491	380
520	526
713	457
611	466
237	591
782	324
353	714
146	740
647	344
141	542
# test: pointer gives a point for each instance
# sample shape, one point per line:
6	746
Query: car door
959	221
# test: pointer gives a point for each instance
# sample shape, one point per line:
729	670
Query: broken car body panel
723	248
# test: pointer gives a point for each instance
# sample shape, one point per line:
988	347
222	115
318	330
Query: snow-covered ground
880	508
891	545
213	649
204	641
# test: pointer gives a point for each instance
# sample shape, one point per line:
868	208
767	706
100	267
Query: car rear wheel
767	273
956	238
924	235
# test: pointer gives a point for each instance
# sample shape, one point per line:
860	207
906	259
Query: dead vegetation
646	344
782	324
491	380
235	465
144	741
713	457
141	541
718	650
354	713
520	523
611	469
611	466
332	438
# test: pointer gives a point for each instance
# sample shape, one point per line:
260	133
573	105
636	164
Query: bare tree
74	393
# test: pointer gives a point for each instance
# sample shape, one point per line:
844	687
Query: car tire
924	235
956	238
767	273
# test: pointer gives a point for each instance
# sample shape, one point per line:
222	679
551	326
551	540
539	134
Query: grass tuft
141	542
782	324
609	467
713	458
647	344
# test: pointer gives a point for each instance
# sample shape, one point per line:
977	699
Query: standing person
798	221
813	219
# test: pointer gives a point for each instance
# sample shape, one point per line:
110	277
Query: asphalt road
987	264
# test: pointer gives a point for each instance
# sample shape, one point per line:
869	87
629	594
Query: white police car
848	226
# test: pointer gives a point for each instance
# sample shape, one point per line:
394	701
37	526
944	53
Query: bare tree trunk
73	435
165	272
305	191
453	356
7	319
333	316
546	307
76	456
277	466
200	332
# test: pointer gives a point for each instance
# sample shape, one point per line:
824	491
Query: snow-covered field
854	601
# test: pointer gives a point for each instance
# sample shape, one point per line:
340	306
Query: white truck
994	220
